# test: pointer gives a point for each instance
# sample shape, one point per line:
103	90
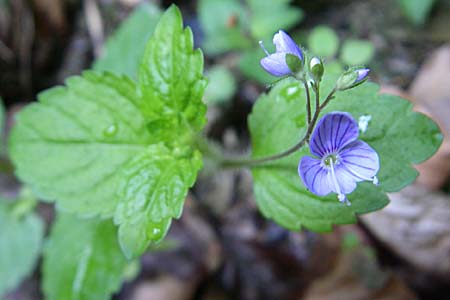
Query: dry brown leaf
165	287
50	14
356	275
416	226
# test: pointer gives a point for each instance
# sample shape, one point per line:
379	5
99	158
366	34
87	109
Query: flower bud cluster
289	60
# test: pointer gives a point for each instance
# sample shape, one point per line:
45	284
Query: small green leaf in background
416	11
82	260
268	16
334	67
323	41
400	137
2	124
124	49
251	68
224	24
221	85
78	145
357	52
21	237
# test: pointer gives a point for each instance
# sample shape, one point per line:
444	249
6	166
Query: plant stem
308	101
251	162
328	98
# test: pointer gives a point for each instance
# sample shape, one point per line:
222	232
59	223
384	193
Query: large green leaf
153	193
82	260
401	137
20	244
72	144
80	144
124	49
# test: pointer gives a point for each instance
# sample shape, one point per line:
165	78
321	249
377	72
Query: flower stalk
238	162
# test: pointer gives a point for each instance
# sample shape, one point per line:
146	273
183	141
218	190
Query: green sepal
294	63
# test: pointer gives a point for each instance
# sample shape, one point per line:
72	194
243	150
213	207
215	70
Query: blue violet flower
342	160
275	63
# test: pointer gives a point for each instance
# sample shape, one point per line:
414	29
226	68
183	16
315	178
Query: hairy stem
308	101
328	98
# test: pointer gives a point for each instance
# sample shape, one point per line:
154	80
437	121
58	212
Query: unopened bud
351	78
316	69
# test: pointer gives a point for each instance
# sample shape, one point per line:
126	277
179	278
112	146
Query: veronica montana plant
119	154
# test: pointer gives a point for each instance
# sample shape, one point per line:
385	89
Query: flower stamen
342	198
261	44
374	179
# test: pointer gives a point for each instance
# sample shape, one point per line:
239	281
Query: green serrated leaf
401	137
171	77
224	24
2	124
416	10
80	144
71	146
323	41
20	245
269	16
125	48
357	52
82	260
153	191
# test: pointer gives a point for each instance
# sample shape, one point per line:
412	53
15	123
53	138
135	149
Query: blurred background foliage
222	248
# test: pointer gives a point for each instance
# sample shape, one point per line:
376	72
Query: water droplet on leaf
156	232
111	130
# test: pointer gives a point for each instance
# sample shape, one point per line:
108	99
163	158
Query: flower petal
362	74
275	64
333	132
285	44
314	176
346	181
359	160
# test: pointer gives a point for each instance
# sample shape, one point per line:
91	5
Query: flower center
330	159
